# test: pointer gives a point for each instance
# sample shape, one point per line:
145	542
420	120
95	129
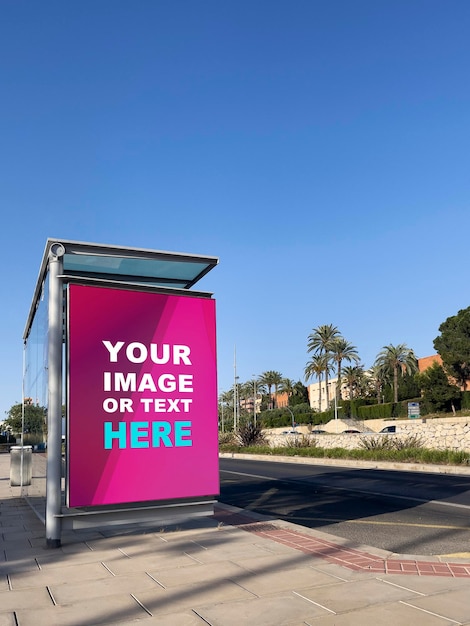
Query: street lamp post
292	415
236	407
336	414
336	408
235	391
254	399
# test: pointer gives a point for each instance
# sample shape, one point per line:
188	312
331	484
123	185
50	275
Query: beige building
314	394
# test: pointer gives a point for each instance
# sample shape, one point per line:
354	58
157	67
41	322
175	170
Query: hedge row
466	400
360	409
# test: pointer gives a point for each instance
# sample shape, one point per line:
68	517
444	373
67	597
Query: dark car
317	431
389	429
351	430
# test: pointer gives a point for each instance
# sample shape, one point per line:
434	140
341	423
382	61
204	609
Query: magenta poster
142	386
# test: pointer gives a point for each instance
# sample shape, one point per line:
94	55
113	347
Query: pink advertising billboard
142	397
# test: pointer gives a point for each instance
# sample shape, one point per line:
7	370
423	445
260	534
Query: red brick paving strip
346	557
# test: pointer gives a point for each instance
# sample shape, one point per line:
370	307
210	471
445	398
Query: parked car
351	430
389	429
290	432
317	431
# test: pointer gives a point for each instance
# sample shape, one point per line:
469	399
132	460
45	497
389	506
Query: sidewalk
227	570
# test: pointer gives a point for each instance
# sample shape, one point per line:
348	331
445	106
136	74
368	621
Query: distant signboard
413	410
142	422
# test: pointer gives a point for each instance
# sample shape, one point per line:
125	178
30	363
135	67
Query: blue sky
318	147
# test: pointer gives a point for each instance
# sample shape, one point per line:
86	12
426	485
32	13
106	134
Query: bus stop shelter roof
124	265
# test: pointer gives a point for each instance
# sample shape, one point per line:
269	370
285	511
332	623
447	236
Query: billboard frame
134	269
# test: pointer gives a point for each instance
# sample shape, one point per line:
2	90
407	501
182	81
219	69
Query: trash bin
21	469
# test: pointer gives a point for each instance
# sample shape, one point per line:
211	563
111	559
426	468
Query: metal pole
336	409
254	400
22	419
293	419
235	391
54	408
336	413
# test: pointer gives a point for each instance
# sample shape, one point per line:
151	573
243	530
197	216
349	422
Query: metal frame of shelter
66	262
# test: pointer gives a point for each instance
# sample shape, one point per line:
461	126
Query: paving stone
279	611
50	561
383	615
275	562
342	573
114	585
8	568
201	574
354	595
90	612
74	573
184	618
454	604
271	582
191	596
13	600
23	549
225	552
147	564
427	585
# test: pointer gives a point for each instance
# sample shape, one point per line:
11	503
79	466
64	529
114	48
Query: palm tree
364	386
245	392
271	379
226	412
396	360
320	341
342	350
251	389
317	366
353	375
287	386
378	380
226	397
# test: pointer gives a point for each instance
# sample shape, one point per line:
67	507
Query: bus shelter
121	350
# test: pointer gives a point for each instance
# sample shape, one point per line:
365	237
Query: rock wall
437	434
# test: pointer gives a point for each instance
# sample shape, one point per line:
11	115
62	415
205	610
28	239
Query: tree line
393	376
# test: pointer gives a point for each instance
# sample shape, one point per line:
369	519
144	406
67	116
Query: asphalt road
404	512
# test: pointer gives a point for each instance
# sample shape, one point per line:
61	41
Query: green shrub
324	417
349	408
32	439
226	438
461	456
380	442
375	411
466	400
279	418
300	441
250	434
409	442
